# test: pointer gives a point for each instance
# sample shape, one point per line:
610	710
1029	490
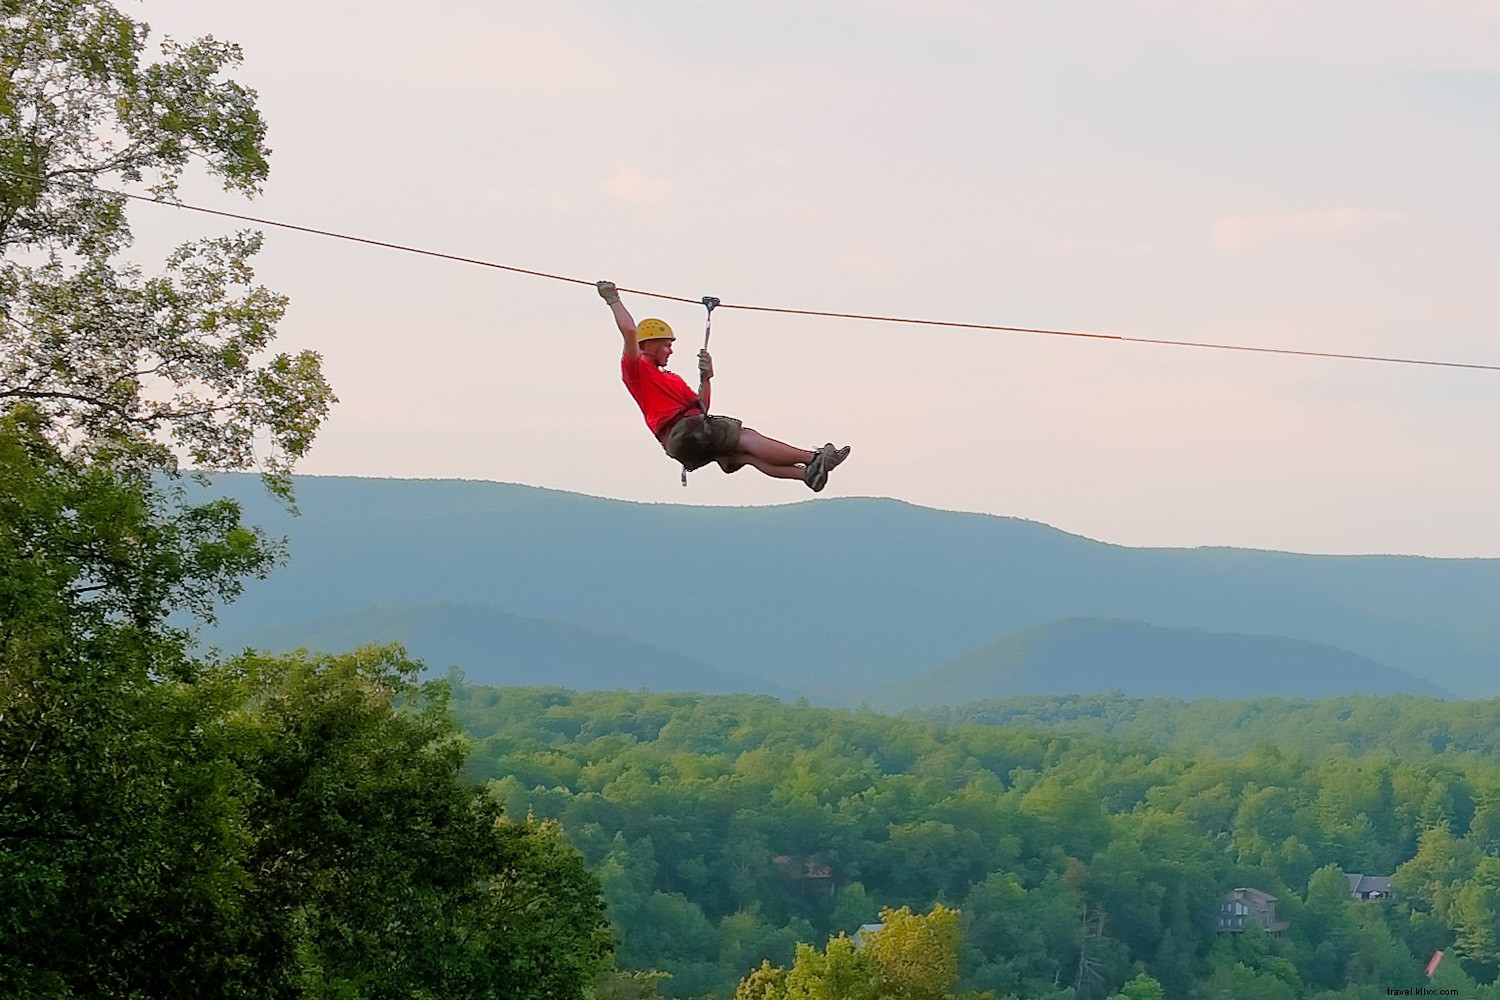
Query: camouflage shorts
696	440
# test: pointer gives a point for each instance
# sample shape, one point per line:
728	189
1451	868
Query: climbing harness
708	328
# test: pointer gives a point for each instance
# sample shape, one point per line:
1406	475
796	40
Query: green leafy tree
271	827
380	871
745	938
267	828
1029	936
122	845
853	908
1142	987
1484	829
1475	916
917	954
765	983
839	972
911	957
1376	957
144	369
1441	863
1326	927
119	816
1240	982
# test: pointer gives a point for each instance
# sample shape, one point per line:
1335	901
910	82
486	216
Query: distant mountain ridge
819	591
1097	656
494	647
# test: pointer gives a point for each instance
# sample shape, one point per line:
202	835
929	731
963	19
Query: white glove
608	292
705	365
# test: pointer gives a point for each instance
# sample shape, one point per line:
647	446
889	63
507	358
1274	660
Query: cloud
1243	232
635	188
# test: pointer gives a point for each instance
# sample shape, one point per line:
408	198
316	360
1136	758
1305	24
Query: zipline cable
900	320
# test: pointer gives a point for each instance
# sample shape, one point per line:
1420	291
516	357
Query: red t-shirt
660	394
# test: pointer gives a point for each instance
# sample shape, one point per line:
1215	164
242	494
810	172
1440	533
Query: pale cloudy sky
1284	174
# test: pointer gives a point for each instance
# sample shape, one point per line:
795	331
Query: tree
911	957
765	983
1142	987
1030	936
122	845
1240	982
380	872
1475	917
839	972
269	827
1327	927
1484	829
145	370
917	955
1442	862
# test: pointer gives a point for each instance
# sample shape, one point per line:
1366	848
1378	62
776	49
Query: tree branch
75	396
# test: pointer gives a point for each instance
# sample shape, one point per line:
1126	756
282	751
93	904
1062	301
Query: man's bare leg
771	452
779	460
774	471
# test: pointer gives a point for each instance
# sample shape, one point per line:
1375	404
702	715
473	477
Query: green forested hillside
1399	726
908	588
726	829
1085	655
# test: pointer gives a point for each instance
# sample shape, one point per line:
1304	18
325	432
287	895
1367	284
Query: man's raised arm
610	294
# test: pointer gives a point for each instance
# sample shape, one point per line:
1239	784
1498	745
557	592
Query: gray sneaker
836	456
815	475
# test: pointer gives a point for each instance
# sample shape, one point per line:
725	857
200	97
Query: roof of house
1369	883
802	867
1259	895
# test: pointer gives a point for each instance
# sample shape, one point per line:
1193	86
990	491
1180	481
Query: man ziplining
679	417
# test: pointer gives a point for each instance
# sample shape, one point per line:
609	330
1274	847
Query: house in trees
1246	907
809	875
802	868
865	932
1370	886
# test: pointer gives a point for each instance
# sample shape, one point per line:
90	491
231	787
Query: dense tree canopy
263	827
1353	725
728	830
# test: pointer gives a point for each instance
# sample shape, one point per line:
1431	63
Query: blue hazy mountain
494	647
828	593
1092	656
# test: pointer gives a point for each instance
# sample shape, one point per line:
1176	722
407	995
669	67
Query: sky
1270	173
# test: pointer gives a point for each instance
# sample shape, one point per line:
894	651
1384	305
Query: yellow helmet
653	329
